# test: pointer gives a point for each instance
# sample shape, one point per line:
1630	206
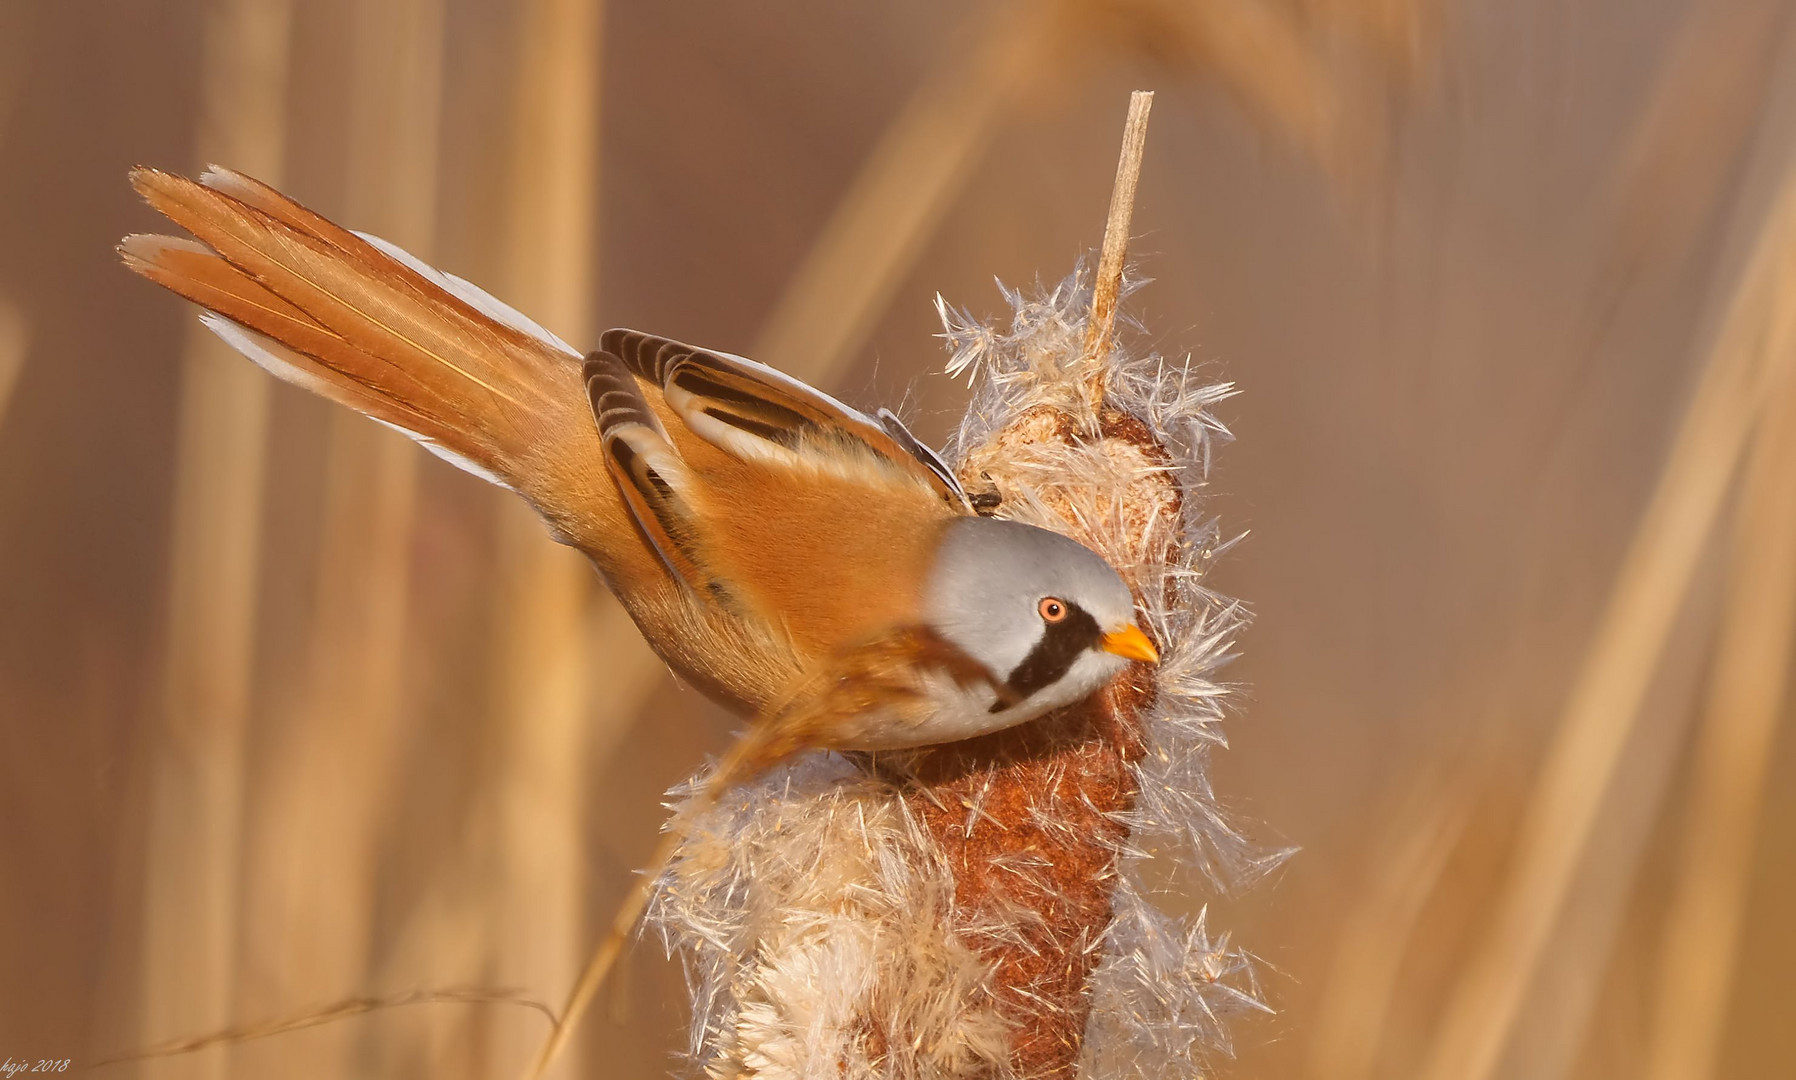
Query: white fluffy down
814	912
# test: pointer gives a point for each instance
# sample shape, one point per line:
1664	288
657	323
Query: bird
816	570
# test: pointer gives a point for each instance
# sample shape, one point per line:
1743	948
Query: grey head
1045	614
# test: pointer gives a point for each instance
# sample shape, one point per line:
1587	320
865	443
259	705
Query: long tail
356	320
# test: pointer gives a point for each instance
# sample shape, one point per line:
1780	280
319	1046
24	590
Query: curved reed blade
1748	694
904	187
1755	345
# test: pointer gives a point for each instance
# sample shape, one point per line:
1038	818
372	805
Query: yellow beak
1132	643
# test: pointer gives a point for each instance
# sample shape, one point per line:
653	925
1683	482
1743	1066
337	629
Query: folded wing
754	411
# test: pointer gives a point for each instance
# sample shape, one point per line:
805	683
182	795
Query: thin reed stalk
1748	696
315	857
14	340
547	641
193	849
1753	347
333	1013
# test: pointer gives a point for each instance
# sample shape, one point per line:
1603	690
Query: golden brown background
291	713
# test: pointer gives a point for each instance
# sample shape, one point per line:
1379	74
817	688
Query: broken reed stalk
1107	288
1748	695
1754	346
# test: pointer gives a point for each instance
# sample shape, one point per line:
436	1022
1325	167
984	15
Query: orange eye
1052	609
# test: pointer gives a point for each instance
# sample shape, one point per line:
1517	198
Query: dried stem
341	1010
604	958
1107	287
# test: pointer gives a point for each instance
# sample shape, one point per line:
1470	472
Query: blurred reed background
291	713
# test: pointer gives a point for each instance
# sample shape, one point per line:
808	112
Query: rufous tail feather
356	320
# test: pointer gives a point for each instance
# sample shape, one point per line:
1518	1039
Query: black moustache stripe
1053	656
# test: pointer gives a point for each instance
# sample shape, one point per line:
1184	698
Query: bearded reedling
817	570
